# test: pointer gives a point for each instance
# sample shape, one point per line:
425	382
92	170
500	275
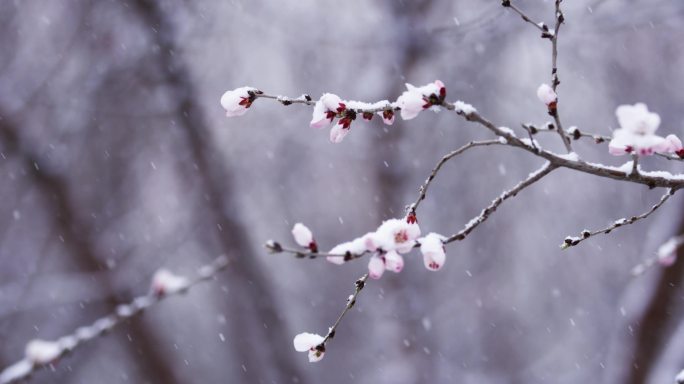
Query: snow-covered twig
484	215
315	344
41	353
276	247
351	300
572	241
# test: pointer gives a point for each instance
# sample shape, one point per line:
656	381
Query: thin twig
554	75
351	300
527	18
572	241
423	188
23	368
484	215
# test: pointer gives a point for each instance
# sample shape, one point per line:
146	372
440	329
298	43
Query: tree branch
572	241
23	368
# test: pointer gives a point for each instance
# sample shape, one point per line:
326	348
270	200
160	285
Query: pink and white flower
164	282
236	101
303	237
416	99
312	343
636	134
339	131
432	248
387	114
396	235
326	109
547	95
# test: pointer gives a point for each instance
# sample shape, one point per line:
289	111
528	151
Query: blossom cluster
331	107
387	243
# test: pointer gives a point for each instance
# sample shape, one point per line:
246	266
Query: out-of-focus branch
23	368
572	241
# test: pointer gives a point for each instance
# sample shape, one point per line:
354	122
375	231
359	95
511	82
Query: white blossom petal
338	132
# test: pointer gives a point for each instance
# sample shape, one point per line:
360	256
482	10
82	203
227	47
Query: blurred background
116	159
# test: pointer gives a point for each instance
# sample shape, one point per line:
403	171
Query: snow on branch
43	353
572	241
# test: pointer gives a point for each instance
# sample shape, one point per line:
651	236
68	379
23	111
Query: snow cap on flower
312	343
636	134
637	119
416	99
325	110
303	237
237	101
547	95
42	352
396	234
432	248
164	282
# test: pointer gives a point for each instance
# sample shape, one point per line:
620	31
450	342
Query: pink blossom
432	248
303	237
339	131
312	343
325	110
396	234
237	101
376	267
387	114
164	282
393	261
547	95
636	134
415	99
637	119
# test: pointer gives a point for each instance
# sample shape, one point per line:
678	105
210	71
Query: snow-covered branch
42	353
572	241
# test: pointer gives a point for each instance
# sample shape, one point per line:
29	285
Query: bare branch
351	300
572	241
23	368
423	189
484	215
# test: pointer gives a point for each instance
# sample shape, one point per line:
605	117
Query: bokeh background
116	159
